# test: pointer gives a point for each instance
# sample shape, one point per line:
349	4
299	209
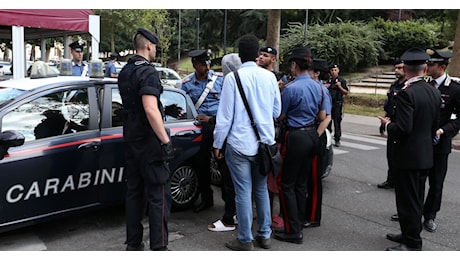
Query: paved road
355	213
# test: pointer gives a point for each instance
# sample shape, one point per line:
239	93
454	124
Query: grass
364	104
363	110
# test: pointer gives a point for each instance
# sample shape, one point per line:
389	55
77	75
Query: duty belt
303	128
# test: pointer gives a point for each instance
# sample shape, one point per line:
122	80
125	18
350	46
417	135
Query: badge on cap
77	45
438	56
203	56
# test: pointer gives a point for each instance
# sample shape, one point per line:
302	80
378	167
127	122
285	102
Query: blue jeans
248	182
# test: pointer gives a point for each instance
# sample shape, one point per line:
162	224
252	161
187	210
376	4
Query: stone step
368	90
385	76
370	85
378	80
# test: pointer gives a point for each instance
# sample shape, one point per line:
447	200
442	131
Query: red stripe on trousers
314	180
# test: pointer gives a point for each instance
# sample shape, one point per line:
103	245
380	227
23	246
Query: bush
349	44
400	36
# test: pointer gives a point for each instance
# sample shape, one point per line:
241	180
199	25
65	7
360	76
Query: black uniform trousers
336	115
410	193
436	180
390	161
148	190
315	184
300	147
203	163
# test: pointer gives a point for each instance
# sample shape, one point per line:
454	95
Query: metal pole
306	26
225	32
197	29
178	42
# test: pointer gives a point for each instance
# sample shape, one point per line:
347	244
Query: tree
119	25
273	30
454	69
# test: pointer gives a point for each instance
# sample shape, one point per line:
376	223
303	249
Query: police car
62	151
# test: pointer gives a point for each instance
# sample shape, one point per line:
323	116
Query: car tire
184	187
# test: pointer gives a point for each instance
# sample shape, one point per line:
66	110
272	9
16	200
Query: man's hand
167	152
217	154
203	118
384	120
174	110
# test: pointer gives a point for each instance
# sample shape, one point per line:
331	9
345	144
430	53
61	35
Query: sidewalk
367	125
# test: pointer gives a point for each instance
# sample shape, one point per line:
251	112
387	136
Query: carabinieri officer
79	67
204	87
301	102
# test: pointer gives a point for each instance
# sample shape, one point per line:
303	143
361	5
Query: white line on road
365	139
338	151
358	146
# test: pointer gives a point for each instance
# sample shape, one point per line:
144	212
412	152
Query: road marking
365	139
338	151
358	146
21	242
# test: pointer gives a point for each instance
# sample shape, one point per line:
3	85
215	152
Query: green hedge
356	45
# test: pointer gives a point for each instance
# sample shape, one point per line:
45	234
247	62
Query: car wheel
184	187
216	176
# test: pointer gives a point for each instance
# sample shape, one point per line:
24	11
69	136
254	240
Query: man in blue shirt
204	87
79	67
110	70
233	124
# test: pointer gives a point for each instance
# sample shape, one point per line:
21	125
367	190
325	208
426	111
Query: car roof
30	84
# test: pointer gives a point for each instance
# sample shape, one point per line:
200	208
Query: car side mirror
10	139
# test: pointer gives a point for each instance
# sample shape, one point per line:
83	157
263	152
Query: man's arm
155	118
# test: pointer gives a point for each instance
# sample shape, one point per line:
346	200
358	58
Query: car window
54	114
165	74
173	103
117	108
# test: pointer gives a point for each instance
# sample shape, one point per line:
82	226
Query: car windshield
8	94
165	74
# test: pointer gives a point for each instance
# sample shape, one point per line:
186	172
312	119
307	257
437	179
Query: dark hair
248	47
303	64
139	41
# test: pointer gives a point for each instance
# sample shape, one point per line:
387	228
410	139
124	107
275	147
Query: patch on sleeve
186	79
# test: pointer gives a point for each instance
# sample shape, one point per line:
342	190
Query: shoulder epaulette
141	62
186	79
449	79
220	74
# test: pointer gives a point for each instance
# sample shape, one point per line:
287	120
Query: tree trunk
273	31
454	69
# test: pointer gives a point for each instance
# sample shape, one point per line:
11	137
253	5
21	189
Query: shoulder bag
265	152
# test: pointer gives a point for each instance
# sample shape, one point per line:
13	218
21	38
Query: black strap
246	104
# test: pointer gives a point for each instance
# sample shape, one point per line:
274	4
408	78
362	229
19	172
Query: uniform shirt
233	123
336	94
326	103
110	69
194	87
301	100
77	70
138	78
